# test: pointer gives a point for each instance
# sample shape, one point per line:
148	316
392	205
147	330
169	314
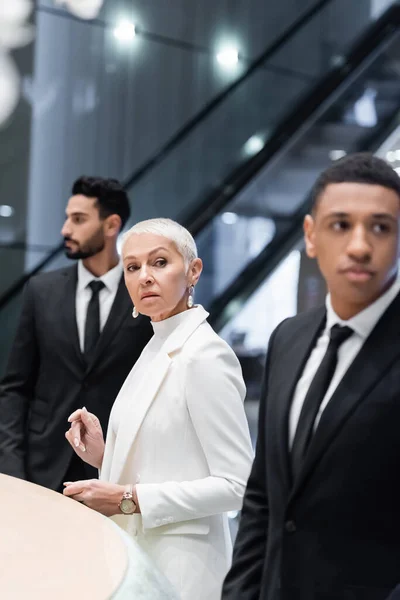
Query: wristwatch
127	505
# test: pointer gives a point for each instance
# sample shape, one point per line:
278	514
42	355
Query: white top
362	324
107	295
178	432
142	368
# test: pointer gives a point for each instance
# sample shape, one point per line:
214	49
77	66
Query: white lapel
143	396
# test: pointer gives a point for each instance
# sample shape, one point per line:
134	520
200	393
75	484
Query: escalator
166	179
354	108
258	150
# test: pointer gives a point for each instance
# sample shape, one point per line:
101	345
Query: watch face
127	506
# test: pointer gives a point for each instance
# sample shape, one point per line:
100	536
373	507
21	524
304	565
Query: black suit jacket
47	377
395	595
334	533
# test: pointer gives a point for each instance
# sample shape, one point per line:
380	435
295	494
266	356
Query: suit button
290	526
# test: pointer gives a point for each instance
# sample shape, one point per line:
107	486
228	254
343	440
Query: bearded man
75	343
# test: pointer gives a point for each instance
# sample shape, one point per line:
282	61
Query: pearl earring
190	300
135	313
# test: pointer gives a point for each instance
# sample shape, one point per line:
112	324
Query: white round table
53	548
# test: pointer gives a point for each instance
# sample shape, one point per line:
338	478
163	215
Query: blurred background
219	114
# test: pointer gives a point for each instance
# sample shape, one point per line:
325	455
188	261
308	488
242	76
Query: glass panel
259	213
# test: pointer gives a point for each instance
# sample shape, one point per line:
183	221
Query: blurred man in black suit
321	514
75	344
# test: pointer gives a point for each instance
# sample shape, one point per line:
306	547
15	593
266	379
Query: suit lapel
121	305
135	399
139	403
294	353
67	293
379	352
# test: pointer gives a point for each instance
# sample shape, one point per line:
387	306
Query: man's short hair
357	168
111	197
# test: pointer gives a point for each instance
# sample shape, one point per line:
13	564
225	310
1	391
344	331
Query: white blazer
184	440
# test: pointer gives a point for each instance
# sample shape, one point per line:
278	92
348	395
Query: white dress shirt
111	281
362	325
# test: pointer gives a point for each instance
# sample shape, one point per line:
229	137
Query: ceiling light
229	218
336	154
397	155
253	145
228	57
391	156
6	211
125	31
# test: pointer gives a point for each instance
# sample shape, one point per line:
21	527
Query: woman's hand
102	496
86	437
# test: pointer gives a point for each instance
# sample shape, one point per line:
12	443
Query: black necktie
92	325
316	393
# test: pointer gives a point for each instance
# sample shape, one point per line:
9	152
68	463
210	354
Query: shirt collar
364	322
110	279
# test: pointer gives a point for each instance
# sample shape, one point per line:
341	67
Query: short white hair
169	229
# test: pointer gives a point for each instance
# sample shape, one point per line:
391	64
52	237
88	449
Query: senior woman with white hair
178	453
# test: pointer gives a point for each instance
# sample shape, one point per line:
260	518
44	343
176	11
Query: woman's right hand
86	437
